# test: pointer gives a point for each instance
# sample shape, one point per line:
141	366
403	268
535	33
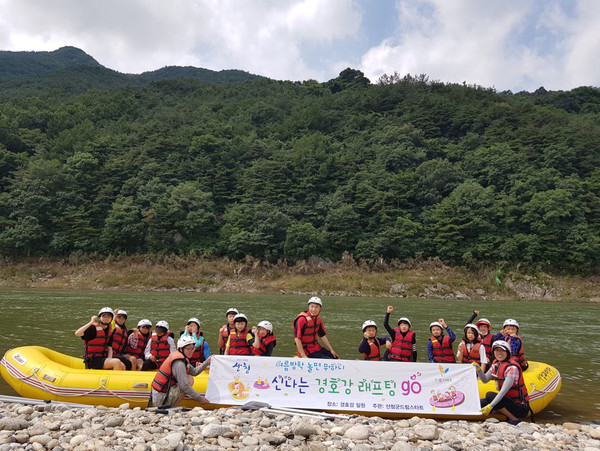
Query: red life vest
238	344
224	334
164	377
140	349
487	344
309	333
97	347
119	339
518	392
469	356
263	343
402	347
198	355
520	355
442	352
374	350
160	347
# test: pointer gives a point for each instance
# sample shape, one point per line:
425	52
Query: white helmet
122	312
472	326
484	321
436	323
501	344
194	320
315	300
106	310
404	319
231	310
240	317
144	322
184	341
163	324
511	322
369	323
267	325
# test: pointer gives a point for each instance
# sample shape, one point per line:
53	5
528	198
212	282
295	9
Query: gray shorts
169	399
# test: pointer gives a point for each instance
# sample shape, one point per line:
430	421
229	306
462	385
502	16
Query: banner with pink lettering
353	385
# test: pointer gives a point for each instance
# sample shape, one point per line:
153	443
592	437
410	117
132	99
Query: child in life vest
226	329
240	337
201	350
264	340
98	355
159	347
512	399
486	336
137	341
510	334
439	346
175	377
370	346
403	344
308	328
470	348
118	340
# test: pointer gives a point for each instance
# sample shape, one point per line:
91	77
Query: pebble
61	428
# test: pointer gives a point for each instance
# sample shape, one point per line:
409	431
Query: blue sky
509	44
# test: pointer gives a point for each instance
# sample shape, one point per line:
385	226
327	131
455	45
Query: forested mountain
402	168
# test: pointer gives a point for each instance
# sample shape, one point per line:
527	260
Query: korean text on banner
443	389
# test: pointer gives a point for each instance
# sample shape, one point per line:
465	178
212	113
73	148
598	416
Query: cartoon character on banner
238	390
448	399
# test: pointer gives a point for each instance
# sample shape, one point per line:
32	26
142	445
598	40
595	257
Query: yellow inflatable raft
41	373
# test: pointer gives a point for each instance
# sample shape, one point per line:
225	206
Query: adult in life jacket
97	354
264	340
371	344
486	336
308	328
136	342
175	377
512	399
510	334
240	338
201	351
470	348
403	340
226	329
118	340
439	346
159	347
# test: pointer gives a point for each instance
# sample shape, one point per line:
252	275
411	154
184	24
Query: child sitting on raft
226	329
439	346
512	399
509	333
95	334
264	340
240	337
470	348
201	350
403	340
370	346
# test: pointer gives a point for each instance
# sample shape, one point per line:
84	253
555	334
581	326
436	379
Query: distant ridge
73	71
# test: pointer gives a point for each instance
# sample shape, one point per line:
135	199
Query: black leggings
517	409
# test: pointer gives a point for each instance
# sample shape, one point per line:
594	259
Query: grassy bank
430	279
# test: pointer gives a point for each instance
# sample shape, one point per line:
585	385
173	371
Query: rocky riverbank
57	427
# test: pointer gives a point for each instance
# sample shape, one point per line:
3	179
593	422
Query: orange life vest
224	334
472	355
309	333
165	378
140	348
238	344
518	391
442	352
119	339
97	347
402	346
487	344
160	347
263	343
374	350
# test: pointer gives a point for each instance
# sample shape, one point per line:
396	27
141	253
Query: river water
564	335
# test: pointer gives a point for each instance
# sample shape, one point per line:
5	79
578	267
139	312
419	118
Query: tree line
404	168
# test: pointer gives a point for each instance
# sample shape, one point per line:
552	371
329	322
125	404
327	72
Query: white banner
356	385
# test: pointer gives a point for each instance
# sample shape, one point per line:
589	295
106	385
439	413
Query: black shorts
517	409
125	361
149	365
322	354
95	363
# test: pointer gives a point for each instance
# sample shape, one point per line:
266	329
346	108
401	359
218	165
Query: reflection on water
561	334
